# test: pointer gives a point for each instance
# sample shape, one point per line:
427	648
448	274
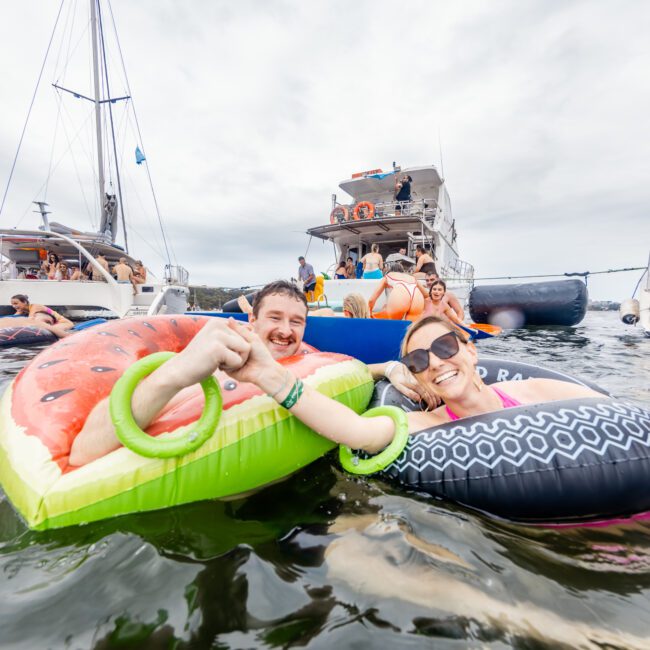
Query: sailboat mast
98	111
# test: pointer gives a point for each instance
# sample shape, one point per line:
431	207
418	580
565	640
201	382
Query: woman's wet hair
357	305
279	287
22	297
430	320
394	267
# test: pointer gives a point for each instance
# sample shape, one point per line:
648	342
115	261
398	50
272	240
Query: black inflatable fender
231	307
567	460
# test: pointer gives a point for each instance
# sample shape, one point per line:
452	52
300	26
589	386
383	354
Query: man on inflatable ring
441	359
278	320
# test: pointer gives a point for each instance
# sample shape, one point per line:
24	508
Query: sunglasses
444	347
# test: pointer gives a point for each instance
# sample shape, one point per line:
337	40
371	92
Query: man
306	274
96	275
402	193
123	272
279	317
449	298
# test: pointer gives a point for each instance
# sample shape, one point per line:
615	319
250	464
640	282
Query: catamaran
23	251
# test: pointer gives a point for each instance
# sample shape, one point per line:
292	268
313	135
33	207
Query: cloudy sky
251	113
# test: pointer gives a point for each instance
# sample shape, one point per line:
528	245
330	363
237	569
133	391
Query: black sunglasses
444	347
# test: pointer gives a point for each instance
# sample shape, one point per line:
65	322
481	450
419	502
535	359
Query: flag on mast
139	156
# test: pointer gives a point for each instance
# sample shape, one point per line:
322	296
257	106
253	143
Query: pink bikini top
506	400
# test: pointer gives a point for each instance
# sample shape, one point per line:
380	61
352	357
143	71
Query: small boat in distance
633	310
23	251
374	216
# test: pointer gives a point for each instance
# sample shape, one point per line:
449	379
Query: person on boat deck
139	273
306	274
43	320
373	264
448	298
50	265
424	264
278	321
75	273
20	302
61	271
341	271
404	300
442	360
350	269
402	193
96	275
124	273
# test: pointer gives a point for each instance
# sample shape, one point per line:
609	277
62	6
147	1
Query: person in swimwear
424	264
341	272
278	322
442	360
139	273
49	266
350	269
449	298
20	302
373	264
404	300
438	306
41	319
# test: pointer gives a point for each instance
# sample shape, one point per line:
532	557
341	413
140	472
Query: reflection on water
326	560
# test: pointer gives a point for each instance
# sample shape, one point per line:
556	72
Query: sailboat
25	252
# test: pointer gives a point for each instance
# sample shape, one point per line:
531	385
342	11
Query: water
323	560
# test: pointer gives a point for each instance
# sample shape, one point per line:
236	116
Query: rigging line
639	282
29	112
110	113
583	274
137	124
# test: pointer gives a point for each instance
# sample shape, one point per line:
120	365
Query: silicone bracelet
293	396
179	444
355	465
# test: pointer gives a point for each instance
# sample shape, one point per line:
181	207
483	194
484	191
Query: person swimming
22	306
40	319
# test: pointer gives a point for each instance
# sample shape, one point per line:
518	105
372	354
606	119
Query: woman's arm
381	262
373	299
454	303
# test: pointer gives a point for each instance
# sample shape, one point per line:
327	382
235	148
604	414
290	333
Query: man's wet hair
281	288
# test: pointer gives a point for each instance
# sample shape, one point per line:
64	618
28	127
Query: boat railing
424	208
175	274
457	271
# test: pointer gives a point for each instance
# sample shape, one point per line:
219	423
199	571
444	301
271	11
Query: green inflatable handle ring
133	437
383	459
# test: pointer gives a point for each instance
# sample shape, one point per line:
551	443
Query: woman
443	362
20	302
139	273
355	306
50	265
341	272
61	271
404	300
373	264
40	319
424	264
437	304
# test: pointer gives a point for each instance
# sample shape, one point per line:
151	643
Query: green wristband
355	465
294	395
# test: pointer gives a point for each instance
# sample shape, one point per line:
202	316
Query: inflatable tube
537	303
569	460
21	336
231	307
256	441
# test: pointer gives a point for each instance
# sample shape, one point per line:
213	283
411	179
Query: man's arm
454	303
213	347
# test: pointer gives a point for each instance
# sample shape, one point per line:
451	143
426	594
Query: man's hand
217	345
404	381
259	362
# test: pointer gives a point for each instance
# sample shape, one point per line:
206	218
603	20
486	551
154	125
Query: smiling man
279	317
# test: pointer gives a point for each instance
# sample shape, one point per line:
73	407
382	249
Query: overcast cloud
252	112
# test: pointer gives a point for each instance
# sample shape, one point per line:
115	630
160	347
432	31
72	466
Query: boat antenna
110	114
29	112
442	168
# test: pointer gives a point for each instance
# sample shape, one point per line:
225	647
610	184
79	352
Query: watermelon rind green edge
268	455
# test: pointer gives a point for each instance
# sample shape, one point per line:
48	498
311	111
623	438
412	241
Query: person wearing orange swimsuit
404	300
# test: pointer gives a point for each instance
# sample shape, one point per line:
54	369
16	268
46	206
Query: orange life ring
370	210
334	219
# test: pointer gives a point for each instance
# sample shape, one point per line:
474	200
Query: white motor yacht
374	216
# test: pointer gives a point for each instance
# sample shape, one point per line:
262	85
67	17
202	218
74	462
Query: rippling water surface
324	560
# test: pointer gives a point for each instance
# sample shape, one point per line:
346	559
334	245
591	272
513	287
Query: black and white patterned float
565	460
